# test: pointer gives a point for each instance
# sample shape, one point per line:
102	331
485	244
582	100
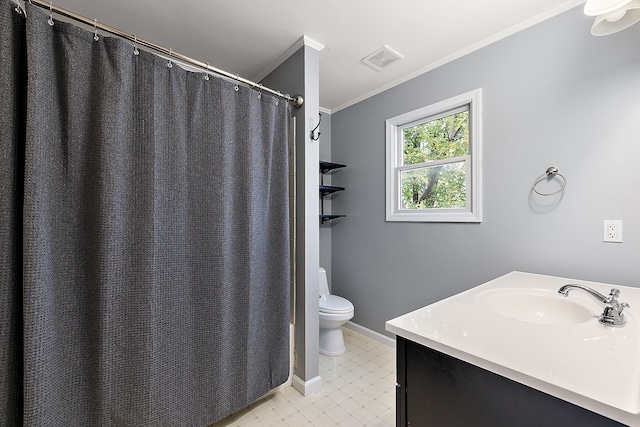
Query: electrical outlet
613	230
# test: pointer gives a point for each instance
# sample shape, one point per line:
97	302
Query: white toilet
335	311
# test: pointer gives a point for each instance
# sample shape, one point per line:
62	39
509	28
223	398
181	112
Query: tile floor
358	389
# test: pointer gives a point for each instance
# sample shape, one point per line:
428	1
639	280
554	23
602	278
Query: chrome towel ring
549	174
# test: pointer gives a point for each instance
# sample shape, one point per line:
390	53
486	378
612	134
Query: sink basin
536	306
519	327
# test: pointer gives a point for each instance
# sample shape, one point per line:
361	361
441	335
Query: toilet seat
333	304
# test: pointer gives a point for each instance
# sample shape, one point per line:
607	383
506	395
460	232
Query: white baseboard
314	384
305	388
383	339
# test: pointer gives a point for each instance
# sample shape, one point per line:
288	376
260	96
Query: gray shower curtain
145	248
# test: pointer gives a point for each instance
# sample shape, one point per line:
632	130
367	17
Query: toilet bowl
335	311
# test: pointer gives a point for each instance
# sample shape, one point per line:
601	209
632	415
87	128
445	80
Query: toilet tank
323	286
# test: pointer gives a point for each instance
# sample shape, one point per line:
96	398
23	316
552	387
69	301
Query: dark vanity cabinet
435	389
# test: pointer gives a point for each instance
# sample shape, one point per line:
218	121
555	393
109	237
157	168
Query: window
433	162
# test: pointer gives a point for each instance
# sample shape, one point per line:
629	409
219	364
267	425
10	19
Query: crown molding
300	43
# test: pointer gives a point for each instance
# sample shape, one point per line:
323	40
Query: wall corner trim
308	41
301	42
305	388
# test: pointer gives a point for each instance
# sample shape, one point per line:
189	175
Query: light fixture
612	15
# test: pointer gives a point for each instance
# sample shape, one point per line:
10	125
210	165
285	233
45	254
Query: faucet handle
613	296
622	307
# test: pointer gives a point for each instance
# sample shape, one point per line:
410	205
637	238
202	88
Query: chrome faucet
612	315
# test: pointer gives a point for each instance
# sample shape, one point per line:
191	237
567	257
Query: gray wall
552	95
325	229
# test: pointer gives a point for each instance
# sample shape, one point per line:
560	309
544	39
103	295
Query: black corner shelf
325	190
328	189
329	166
324	218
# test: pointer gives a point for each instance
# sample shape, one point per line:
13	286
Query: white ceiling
249	37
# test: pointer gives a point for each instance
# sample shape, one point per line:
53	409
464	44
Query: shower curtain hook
50	20
206	72
237	87
18	8
95	30
170	64
260	90
135	45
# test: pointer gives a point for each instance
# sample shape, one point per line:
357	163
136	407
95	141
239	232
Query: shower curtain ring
135	45
237	80
95	30
170	64
50	20
206	72
18	8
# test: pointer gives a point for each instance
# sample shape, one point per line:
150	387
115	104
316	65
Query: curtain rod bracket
297	101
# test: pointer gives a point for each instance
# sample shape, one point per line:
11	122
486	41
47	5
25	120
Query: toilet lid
335	304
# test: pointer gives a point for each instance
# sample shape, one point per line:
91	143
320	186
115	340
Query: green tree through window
444	184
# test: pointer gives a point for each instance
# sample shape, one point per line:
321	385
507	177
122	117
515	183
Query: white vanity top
518	326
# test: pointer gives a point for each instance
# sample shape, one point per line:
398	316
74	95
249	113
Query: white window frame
473	162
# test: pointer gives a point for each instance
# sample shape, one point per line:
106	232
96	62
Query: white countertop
580	361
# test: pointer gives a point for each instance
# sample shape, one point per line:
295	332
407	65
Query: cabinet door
440	390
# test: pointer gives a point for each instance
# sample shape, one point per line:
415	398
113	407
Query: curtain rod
296	100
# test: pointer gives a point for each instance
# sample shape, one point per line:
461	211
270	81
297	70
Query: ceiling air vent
381	58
